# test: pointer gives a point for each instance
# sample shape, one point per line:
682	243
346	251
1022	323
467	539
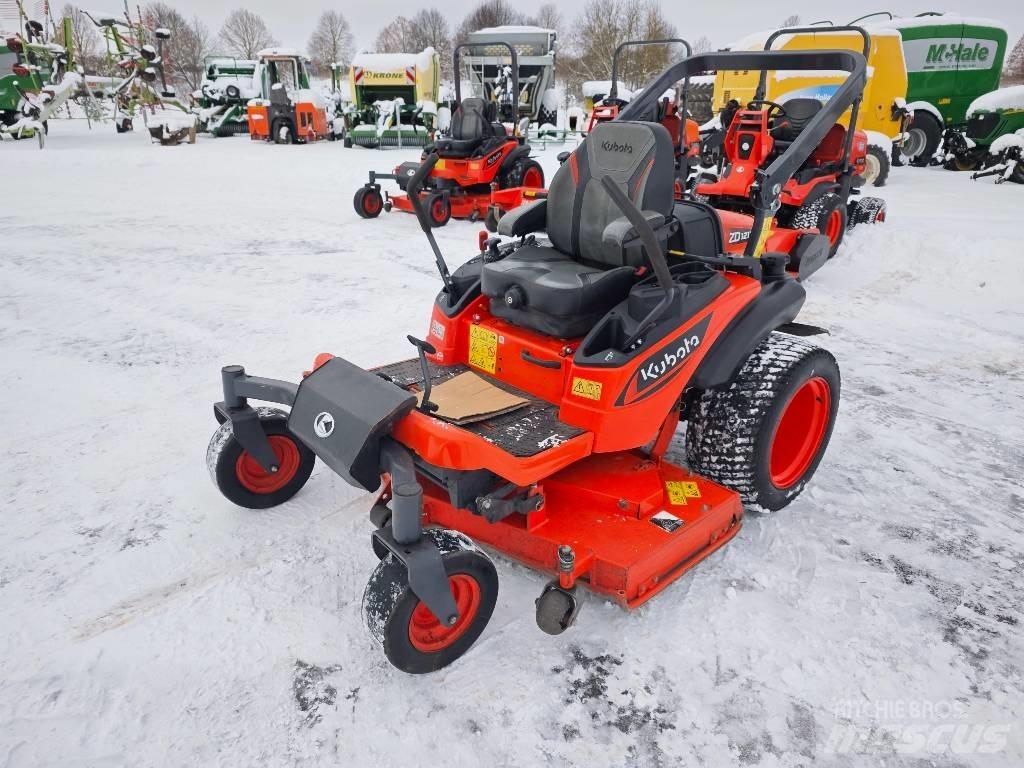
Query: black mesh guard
341	412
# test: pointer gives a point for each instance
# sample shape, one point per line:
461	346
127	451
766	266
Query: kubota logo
662	366
614	146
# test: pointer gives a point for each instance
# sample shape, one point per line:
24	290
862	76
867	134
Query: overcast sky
721	20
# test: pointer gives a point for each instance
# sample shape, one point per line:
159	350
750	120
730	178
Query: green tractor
29	63
992	141
228	84
951	61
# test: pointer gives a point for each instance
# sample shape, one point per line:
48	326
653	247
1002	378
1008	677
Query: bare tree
790	21
601	26
85	40
245	33
1013	71
193	47
702	44
548	17
396	37
489	13
331	40
430	30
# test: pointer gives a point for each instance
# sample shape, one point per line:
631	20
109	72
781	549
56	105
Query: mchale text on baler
820	192
607	333
479	166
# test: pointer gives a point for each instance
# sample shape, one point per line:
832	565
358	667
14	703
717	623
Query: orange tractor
287	111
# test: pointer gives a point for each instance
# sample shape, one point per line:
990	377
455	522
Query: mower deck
635	524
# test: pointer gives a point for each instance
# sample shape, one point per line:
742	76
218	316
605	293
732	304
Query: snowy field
145	621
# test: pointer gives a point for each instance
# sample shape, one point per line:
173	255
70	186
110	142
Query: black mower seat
562	289
799	112
472	128
563	297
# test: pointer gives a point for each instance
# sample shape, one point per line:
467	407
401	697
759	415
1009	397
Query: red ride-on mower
536	415
820	195
479	157
671	112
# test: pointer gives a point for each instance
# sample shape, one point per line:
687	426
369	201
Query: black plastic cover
341	412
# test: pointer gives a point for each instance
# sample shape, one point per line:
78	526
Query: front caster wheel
556	609
243	481
368	202
414	640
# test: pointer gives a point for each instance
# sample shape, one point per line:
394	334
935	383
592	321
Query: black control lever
654	255
424	348
413	189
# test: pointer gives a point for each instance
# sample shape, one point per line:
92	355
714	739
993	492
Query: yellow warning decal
483	348
586	388
681	490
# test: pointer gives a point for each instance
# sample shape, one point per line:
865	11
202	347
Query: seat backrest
639	157
799	112
471	120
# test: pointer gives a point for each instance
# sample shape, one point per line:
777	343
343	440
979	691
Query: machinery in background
227	85
287	110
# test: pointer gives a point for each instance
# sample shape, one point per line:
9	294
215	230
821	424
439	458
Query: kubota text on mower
480	158
536	415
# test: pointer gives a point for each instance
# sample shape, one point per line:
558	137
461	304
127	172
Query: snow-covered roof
386	61
910	22
512	29
593	88
1004	98
281	52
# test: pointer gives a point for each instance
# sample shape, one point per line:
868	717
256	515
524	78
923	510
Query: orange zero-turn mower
533	420
480	157
819	195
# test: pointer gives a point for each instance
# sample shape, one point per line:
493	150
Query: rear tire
827	214
242	481
413	640
524	173
876	166
282	132
765	435
922	143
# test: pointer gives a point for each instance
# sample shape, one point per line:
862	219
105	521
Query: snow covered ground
145	621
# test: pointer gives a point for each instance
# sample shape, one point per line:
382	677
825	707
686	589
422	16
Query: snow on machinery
951	60
287	110
767	142
535	56
883	115
536	415
485	162
394	98
227	85
36	78
993	140
133	66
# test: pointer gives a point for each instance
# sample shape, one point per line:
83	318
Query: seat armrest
532	217
621	233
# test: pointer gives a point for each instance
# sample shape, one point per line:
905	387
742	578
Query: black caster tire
439	209
765	435
347	142
877	166
368	202
244	482
556	609
413	639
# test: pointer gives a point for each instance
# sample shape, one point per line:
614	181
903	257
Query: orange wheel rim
834	227
800	432
257	480
533	178
428	634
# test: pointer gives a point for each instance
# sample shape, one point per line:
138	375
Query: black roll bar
762	81
613	92
770	181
